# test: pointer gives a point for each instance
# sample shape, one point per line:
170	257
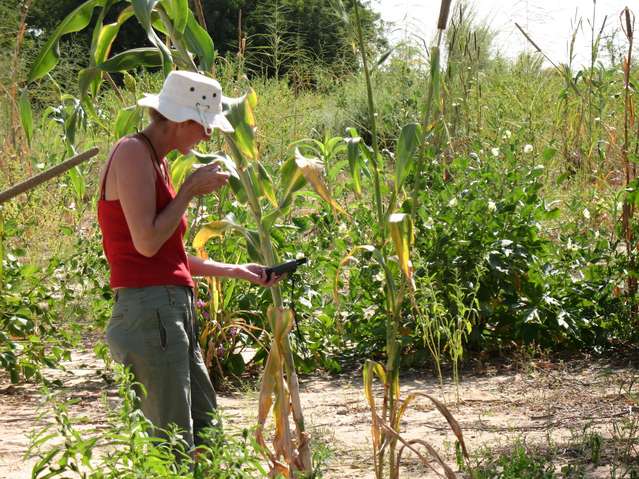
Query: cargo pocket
169	335
163	338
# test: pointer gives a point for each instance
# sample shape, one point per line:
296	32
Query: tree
306	29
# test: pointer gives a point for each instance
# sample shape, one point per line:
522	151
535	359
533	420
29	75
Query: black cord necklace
156	157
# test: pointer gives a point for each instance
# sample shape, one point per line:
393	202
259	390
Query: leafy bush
129	451
483	227
43	306
29	334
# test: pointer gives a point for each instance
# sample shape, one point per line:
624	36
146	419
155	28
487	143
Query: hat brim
178	113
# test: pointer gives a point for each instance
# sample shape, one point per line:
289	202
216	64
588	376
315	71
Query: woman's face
189	134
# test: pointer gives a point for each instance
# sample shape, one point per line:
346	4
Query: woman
153	326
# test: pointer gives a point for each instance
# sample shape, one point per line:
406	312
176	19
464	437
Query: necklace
156	157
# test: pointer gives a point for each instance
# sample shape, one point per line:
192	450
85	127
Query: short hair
156	116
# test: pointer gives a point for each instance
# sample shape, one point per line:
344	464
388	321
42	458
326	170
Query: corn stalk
627	25
253	186
393	233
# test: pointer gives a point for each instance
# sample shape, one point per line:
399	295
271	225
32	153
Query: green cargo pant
153	330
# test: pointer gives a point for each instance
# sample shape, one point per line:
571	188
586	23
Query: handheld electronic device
282	268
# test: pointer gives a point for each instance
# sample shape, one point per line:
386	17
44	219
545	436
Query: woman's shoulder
131	150
131	153
131	146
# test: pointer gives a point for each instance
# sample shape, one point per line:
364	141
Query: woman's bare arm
135	179
250	272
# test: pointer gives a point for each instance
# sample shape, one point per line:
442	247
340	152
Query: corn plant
267	202
395	207
630	168
180	41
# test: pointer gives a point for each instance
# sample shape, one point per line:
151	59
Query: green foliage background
504	252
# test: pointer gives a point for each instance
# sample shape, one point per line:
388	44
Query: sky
548	22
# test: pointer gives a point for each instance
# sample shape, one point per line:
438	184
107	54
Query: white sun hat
191	96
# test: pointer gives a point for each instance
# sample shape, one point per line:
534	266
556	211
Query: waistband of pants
173	292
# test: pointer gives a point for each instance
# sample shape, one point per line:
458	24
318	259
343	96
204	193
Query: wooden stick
47	175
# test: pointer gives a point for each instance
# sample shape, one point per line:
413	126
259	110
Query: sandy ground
541	402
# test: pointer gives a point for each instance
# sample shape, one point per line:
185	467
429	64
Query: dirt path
544	404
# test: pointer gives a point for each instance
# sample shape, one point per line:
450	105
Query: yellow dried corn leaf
313	170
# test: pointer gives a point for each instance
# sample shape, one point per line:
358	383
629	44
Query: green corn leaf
98	29
87	78
108	34
229	165
252	247
180	168
253	180
407	144
76	21
291	180
266	184
238	189
199	42
77	182
243	140
103	38
334	146
178	12
128	60
269	219
127	121
143	11
26	115
158	24
94	39
354	159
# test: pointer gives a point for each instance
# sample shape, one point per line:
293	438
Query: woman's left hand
256	274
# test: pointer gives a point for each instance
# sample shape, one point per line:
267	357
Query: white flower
452	203
429	223
342	228
491	205
379	277
528	148
586	213
507	134
495	152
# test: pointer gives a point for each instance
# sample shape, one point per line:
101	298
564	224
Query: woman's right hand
205	180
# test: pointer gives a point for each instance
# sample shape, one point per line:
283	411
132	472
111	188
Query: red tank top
130	269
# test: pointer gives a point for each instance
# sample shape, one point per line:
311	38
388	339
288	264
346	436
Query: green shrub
124	449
